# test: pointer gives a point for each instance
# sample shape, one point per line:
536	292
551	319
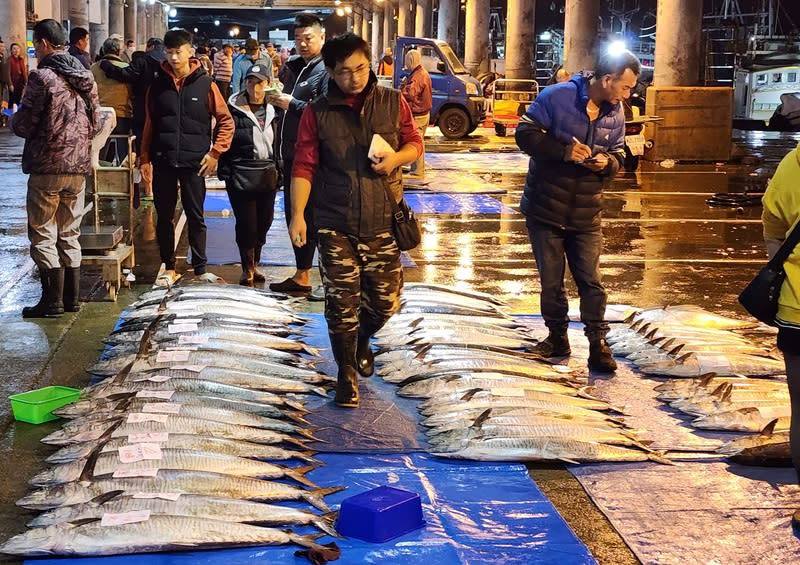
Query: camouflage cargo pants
362	278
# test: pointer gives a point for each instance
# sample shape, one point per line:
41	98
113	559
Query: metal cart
510	99
107	229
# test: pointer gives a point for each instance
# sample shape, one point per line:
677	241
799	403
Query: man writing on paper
360	259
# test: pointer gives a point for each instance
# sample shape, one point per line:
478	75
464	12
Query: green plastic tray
36	406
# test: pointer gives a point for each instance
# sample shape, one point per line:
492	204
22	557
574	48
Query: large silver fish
157	533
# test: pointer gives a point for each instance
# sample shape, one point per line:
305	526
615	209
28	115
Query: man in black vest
360	259
181	102
302	78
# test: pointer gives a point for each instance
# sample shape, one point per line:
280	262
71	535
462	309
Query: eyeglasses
350	73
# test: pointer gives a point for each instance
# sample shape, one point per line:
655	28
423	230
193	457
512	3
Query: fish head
54	496
54	516
36	542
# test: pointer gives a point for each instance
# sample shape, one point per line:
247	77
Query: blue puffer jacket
559	192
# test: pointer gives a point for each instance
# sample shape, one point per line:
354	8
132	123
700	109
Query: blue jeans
554	249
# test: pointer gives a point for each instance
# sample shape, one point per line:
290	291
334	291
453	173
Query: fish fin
416	322
307	456
726	393
675	350
748	410
644	328
310	350
298	406
320	391
630	317
106	496
451	378
481	419
298	474
651	334
587	392
684	357
469	394
658	457
315	497
309	434
83	521
566	460
769	429
706	379
422	350
326	523
720	390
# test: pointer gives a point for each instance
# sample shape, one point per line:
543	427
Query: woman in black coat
249	170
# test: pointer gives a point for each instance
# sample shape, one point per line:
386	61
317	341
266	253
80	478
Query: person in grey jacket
58	116
249	169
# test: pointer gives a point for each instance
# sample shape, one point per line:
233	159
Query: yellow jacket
781	212
117	95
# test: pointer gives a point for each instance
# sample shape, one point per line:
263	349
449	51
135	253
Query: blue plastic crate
380	514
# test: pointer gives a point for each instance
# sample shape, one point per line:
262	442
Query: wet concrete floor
664	245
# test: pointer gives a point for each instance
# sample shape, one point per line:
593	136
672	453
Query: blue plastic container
380	514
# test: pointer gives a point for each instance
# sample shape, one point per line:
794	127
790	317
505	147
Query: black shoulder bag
760	297
404	223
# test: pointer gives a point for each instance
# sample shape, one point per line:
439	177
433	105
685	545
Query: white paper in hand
378	145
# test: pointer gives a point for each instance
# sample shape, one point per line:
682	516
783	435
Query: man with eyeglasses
347	184
302	78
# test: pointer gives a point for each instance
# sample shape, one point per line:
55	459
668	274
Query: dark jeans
165	199
254	212
224	87
303	256
554	249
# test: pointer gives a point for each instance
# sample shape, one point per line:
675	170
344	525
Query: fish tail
297	406
299	476
309	434
326	522
320	391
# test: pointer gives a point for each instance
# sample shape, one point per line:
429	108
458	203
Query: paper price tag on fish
192	368
149	437
131	473
190	339
121	518
160	394
138	418
173	496
173	356
162	407
139	452
181	328
378	145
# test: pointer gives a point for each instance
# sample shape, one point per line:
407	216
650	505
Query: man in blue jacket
574	132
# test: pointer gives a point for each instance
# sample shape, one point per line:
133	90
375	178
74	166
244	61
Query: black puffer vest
181	120
348	196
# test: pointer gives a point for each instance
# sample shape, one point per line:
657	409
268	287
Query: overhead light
337	2
216	22
616	47
195	30
348	9
339	12
545	36
173	12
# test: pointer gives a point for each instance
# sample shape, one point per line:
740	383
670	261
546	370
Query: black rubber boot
365	358
556	344
51	303
258	276
248	267
600	359
72	289
344	351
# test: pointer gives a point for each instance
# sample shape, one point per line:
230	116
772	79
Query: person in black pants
302	78
249	170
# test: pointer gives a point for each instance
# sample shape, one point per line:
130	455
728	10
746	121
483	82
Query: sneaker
209	277
317	295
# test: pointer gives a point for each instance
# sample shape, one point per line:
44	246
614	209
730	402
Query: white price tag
173	496
192	339
181	328
131	473
138	418
162	407
160	437
179	306
139	452
192	368
121	518
173	355
161	394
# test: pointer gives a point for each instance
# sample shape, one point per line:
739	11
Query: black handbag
760	297
405	226
249	175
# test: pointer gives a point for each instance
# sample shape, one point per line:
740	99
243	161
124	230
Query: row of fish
688	341
483	397
193	436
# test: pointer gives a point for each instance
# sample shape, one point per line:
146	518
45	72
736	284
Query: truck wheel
454	123
500	129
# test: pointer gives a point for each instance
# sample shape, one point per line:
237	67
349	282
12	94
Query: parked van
457	96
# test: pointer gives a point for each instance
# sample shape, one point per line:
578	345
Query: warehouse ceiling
250	4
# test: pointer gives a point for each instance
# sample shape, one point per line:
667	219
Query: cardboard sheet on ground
474	513
703	511
478	163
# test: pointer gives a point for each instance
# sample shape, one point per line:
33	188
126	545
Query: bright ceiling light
616	47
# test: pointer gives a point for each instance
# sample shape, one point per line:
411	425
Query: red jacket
418	92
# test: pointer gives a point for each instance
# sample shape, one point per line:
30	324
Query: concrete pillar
404	15
580	34
365	23
447	24
389	25
357	17
116	18
520	38
56	12
78	13
476	44
678	43
12	23
377	34
141	25
131	21
98	31
349	24
422	21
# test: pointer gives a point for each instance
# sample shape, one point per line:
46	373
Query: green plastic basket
36	406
